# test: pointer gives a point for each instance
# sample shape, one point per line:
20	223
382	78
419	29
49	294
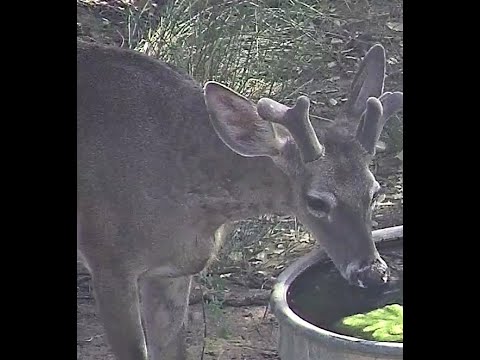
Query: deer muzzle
374	274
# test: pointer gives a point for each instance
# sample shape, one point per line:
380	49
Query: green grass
260	48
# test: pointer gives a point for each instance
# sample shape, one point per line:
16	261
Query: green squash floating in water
384	324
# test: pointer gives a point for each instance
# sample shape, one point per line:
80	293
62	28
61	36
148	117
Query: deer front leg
117	301
165	304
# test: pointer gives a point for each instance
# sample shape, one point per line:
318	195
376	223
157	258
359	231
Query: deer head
333	190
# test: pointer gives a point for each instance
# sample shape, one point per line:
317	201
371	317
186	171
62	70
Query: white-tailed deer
164	166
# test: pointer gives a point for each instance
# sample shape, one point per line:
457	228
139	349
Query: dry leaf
395	26
387	203
331	64
400	155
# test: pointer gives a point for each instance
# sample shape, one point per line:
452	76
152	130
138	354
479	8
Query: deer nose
374	274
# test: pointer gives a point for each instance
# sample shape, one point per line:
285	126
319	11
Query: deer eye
320	205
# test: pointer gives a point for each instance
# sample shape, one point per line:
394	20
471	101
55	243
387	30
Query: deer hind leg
118	306
165	305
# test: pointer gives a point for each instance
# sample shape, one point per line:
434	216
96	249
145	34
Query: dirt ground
235	290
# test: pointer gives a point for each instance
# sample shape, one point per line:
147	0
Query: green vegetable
384	324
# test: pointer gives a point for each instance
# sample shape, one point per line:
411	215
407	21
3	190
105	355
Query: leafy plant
384	324
214	306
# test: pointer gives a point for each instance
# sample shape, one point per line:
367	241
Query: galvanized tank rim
285	315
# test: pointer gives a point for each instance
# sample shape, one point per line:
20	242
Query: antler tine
297	121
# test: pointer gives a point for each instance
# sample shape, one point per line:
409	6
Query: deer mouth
372	275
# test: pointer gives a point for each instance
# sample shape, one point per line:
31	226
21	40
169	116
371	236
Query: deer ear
368	81
237	123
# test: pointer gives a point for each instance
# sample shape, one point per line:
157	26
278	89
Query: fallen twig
254	297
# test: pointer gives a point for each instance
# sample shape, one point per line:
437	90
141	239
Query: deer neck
242	188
